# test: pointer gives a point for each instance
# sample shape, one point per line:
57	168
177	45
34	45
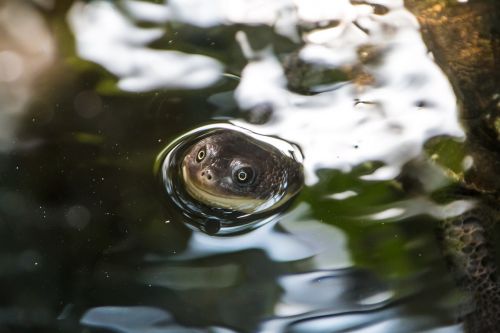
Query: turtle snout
207	176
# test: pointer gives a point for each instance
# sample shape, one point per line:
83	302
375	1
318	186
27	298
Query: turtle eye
244	175
201	155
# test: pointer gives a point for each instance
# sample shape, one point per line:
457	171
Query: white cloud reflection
105	36
409	102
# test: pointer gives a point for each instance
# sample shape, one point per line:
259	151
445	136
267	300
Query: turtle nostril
206	174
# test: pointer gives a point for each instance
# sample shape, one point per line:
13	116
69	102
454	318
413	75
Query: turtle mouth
202	194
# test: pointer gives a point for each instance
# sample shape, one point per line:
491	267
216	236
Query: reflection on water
88	240
105	36
401	106
139	319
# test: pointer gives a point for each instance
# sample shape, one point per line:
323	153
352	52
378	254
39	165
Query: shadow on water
93	91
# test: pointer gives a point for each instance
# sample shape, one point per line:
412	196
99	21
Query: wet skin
231	170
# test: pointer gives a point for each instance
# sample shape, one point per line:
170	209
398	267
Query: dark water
93	91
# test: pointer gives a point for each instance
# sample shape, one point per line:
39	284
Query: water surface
88	241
